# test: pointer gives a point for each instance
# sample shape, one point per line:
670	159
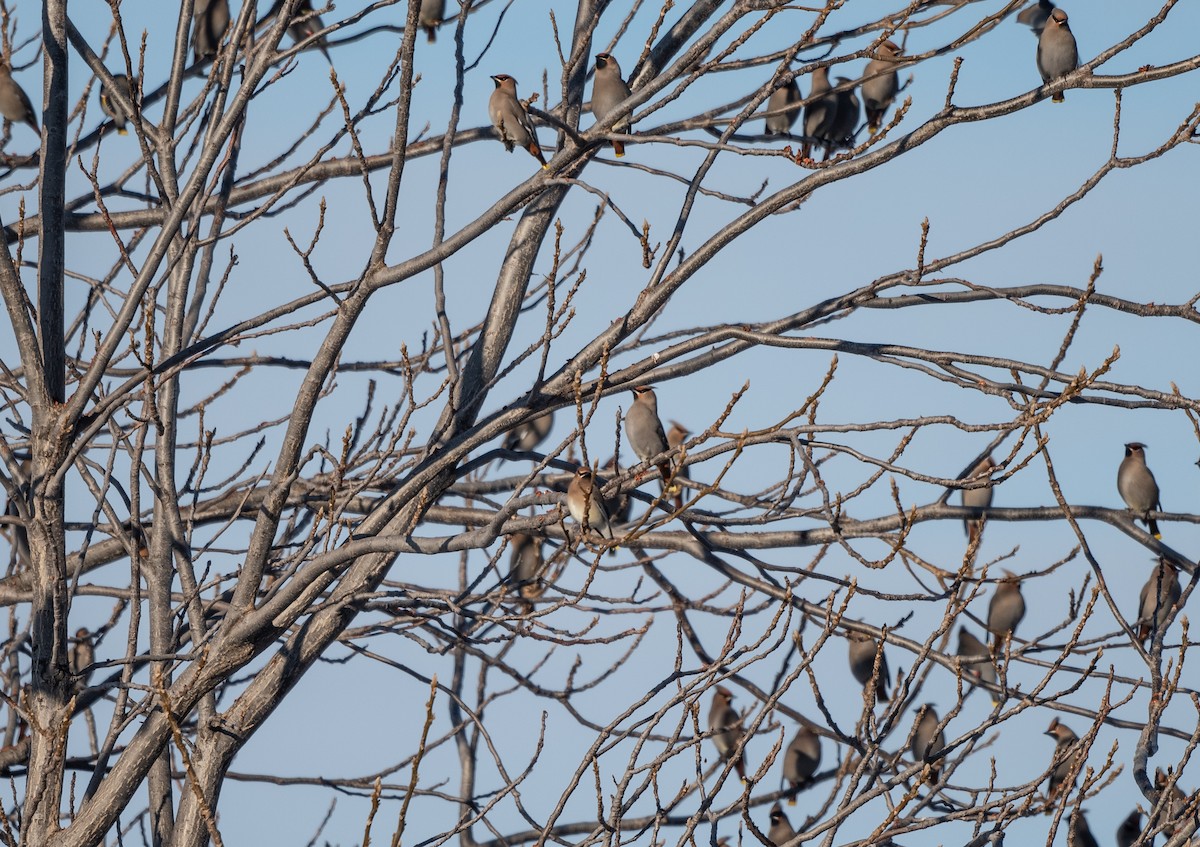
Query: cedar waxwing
430	17
210	19
83	656
114	109
620	505
1078	832
725	724
1137	486
783	97
863	650
583	498
510	119
845	120
926	740
1057	54
1130	830
608	90
525	565
819	114
1005	611
879	91
676	435
15	532
781	831
1157	600
1172	805
529	434
982	667
645	431
1065	761
801	760
305	25
14	102
1035	16
977	498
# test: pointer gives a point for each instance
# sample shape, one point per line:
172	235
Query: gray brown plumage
83	656
1035	16
862	651
1079	834
801	760
1172	805
645	431
781	831
1057	53
1137	486
620	504
676	435
210	19
528	435
880	85
784	97
970	646
510	119
1130	830
845	120
977	498
525	564
430	17
819	114
1065	761
927	740
725	724
305	25
583	499
1157	599
1005	611
608	91
112	107
14	530
14	102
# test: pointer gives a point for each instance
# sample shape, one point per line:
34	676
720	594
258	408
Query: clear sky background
973	183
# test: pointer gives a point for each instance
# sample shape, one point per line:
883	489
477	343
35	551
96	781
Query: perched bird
1078	832
783	97
645	431
801	760
927	740
1157	600
726	726
970	646
83	656
112	108
14	102
305	25
608	91
14	532
1057	54
1173	804
510	119
525	564
620	505
819	114
845	121
210	19
1137	486
1005	611
676	435
529	434
1035	16
863	650
881	84
430	17
583	499
781	831
1066	761
1130	829
977	498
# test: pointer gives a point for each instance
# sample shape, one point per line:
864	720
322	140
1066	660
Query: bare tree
324	494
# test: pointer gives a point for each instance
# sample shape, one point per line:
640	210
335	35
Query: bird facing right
510	119
863	650
725	724
880	85
114	109
1005	611
1137	485
1157	600
927	740
14	102
586	505
305	25
781	831
1057	53
1065	759
819	114
783	98
801	760
977	498
609	91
